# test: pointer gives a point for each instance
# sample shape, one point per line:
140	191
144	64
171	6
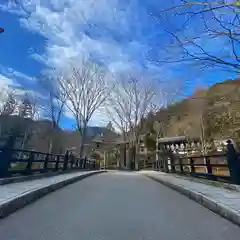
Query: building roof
107	136
177	139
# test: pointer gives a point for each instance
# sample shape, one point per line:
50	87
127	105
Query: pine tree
9	106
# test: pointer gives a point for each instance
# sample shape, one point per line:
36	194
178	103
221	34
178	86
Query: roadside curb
26	198
220	209
4	181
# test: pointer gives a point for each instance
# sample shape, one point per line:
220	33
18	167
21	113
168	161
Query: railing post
172	162
156	165
29	164
80	163
5	157
87	164
46	163
65	165
84	162
57	163
181	164
71	160
165	162
92	165
77	162
192	165
161	164
209	166
233	163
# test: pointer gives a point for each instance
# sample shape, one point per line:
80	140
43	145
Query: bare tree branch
215	24
130	101
85	88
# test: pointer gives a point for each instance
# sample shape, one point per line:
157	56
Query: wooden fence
24	162
224	166
198	166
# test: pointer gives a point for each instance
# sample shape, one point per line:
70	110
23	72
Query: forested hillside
213	112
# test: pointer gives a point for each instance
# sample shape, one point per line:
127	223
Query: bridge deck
116	205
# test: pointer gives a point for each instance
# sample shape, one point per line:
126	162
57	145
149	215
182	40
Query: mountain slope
40	136
215	110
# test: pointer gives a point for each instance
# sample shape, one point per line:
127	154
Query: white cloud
65	24
80	29
5	82
9	83
15	75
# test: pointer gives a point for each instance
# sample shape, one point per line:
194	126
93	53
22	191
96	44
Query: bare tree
86	89
130	101
216	24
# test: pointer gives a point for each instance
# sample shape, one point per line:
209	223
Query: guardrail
24	162
226	166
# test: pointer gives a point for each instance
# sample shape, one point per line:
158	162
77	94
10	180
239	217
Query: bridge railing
24	162
200	166
219	167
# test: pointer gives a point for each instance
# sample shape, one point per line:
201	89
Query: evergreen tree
9	107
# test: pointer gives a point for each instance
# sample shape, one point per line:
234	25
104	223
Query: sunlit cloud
122	35
107	31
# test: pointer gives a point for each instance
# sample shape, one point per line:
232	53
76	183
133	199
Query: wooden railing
220	167
224	166
146	164
199	166
25	162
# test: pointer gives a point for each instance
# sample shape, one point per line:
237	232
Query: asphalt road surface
116	206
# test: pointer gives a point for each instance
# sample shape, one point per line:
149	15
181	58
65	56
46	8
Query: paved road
116	206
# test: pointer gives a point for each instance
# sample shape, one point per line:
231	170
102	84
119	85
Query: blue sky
119	34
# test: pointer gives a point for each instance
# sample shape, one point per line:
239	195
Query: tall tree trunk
136	156
203	141
118	162
50	146
81	151
23	141
52	138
